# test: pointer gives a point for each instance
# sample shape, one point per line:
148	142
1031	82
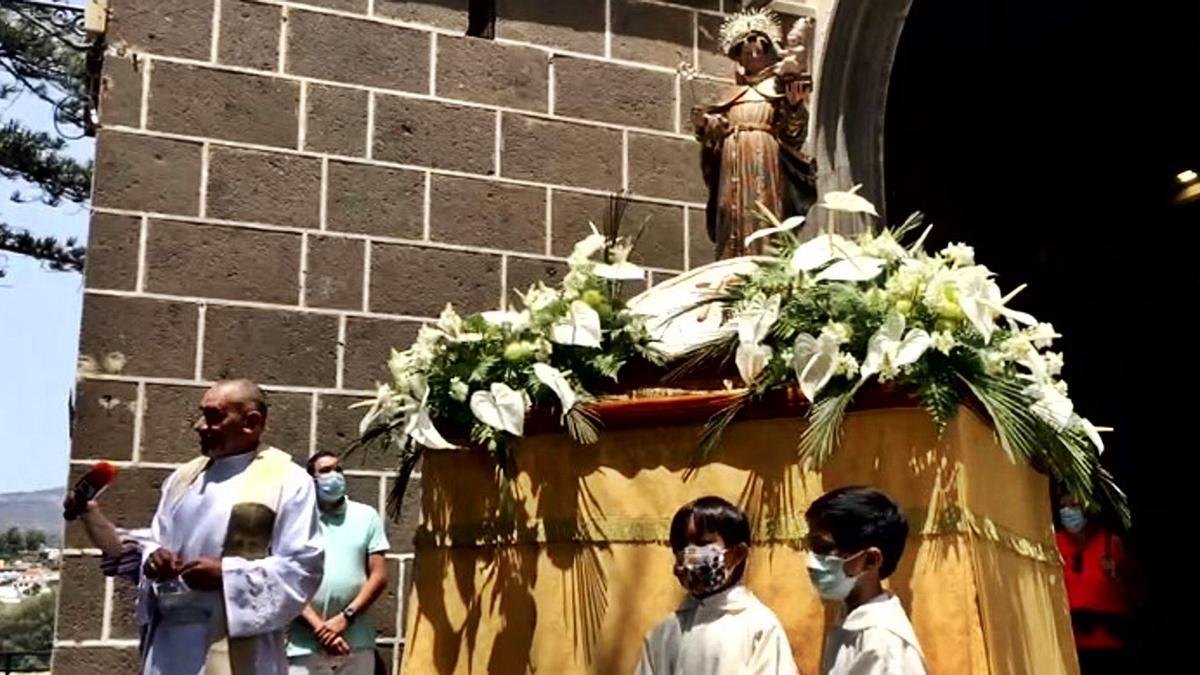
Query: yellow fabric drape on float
564	568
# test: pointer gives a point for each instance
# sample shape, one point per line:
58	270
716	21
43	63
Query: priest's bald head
233	414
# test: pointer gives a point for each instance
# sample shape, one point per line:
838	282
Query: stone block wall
286	190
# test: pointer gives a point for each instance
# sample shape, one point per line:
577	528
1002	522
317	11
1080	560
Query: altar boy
720	628
856	537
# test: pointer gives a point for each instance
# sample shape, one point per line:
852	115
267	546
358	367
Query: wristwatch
349	613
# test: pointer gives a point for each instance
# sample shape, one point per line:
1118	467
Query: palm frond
583	425
914	221
409	456
712	354
824	431
714	429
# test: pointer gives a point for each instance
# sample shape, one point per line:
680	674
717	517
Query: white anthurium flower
754	323
849	201
751	360
419	427
1051	405
890	348
981	302
557	382
815	361
501	318
856	268
501	407
820	250
451	325
386	404
588	246
786	226
581	327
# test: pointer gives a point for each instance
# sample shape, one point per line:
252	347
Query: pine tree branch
37	157
65	256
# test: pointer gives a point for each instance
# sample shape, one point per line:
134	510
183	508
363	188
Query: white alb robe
730	633
874	639
261	597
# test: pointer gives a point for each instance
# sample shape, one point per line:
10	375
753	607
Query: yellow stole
251	522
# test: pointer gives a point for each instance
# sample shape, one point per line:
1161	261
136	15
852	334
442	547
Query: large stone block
420	281
359	6
112	252
447	14
708	37
271	346
92	660
473	69
122	624
701	92
147	174
341	49
130	501
121	91
264	187
434	134
651	33
171	411
576	26
337	430
334	277
337	120
664	167
611	93
169	27
217	261
369	343
375	200
701	250
561	153
218	104
80	599
153	337
104	420
249	35
661	243
486	213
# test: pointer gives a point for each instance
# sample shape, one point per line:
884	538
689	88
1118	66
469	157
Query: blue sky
39	330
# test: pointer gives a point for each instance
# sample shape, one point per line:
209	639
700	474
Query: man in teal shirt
333	634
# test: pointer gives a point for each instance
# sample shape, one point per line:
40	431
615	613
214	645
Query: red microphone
88	488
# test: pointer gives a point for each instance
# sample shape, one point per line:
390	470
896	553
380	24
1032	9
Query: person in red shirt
1094	570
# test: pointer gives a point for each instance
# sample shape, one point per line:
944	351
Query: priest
236	548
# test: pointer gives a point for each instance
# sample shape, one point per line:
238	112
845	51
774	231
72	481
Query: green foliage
45	67
29	627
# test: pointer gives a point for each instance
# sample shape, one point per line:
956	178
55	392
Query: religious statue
752	141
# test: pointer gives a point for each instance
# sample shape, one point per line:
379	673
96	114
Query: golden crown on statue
744	24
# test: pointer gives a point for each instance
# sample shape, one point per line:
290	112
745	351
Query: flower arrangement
484	372
831	314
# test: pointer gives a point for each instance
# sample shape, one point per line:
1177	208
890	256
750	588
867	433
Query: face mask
331	487
701	569
828	576
1072	518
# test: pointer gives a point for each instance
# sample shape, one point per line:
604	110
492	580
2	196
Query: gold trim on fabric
788	530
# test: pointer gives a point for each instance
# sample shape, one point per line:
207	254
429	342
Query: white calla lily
822	249
513	320
815	360
557	382
501	407
786	226
751	360
890	348
619	271
857	268
419	427
848	201
581	327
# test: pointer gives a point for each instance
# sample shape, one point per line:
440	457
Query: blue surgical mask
828	576
331	487
1072	518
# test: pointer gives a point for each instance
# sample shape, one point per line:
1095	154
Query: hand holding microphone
88	489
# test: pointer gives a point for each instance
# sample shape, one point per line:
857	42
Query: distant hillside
41	510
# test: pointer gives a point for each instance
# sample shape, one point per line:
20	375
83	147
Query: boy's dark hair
311	464
710	514
861	518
